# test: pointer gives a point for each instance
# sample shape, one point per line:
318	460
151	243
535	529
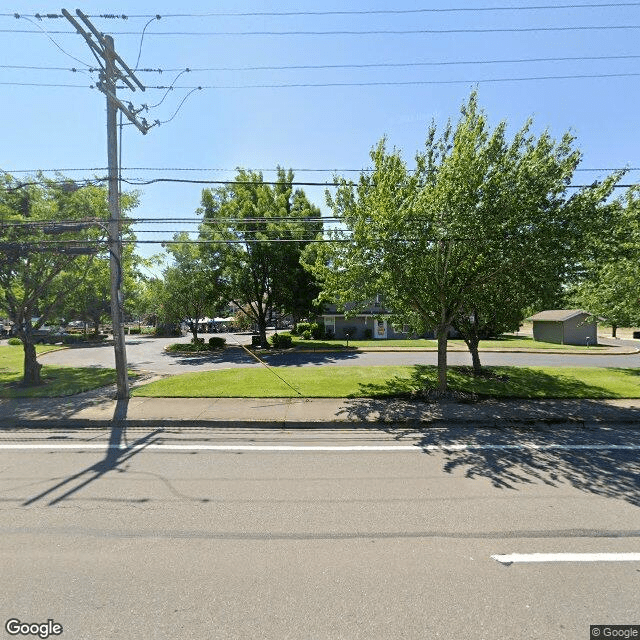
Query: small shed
565	326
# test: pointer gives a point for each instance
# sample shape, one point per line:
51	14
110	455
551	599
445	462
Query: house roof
558	315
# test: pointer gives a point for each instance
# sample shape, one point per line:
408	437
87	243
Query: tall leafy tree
91	299
537	268
608	284
259	231
192	286
482	222
44	260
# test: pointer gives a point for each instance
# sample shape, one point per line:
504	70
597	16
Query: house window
330	325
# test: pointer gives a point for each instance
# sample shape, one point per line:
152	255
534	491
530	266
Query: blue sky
322	127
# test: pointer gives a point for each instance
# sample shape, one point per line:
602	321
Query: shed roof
558	315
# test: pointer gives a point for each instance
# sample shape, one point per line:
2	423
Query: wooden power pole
114	69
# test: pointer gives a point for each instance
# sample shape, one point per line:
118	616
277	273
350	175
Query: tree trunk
472	344
471	336
96	326
442	334
194	331
614	329
31	365
262	330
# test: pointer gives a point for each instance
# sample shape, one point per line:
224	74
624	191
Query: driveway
146	353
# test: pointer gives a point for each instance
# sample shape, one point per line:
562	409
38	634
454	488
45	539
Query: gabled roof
558	315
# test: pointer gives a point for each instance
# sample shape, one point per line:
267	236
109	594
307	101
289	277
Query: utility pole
115	244
114	69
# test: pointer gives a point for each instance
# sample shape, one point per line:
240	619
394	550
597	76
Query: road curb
531	424
608	352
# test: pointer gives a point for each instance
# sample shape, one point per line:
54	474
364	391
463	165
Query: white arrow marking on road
567	557
416	448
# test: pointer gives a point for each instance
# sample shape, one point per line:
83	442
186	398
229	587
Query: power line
128	221
299	85
256	183
48	34
295	85
48	84
295	170
366	65
368	32
142	36
184	99
348	12
62	243
33	67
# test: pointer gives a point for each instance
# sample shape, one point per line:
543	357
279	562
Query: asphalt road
191	534
147	353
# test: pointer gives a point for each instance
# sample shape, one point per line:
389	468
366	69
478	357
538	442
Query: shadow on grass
499	382
57	382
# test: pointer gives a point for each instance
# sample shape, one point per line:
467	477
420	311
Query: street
147	354
321	533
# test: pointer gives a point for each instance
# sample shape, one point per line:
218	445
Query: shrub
301	327
281	341
197	340
15	341
134	331
216	342
368	334
315	329
94	337
306	334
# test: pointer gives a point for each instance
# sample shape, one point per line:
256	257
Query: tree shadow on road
606	465
230	355
601	463
235	354
305	358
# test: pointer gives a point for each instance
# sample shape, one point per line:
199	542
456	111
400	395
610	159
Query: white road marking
416	448
567	557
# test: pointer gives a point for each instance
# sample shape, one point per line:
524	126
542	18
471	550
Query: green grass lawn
58	381
503	342
389	381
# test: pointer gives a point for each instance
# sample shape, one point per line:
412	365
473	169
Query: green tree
91	299
46	252
259	232
481	223
609	283
192	287
536	268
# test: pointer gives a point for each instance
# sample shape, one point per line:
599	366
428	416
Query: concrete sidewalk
100	410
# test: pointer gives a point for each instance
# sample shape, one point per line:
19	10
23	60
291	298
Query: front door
381	329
